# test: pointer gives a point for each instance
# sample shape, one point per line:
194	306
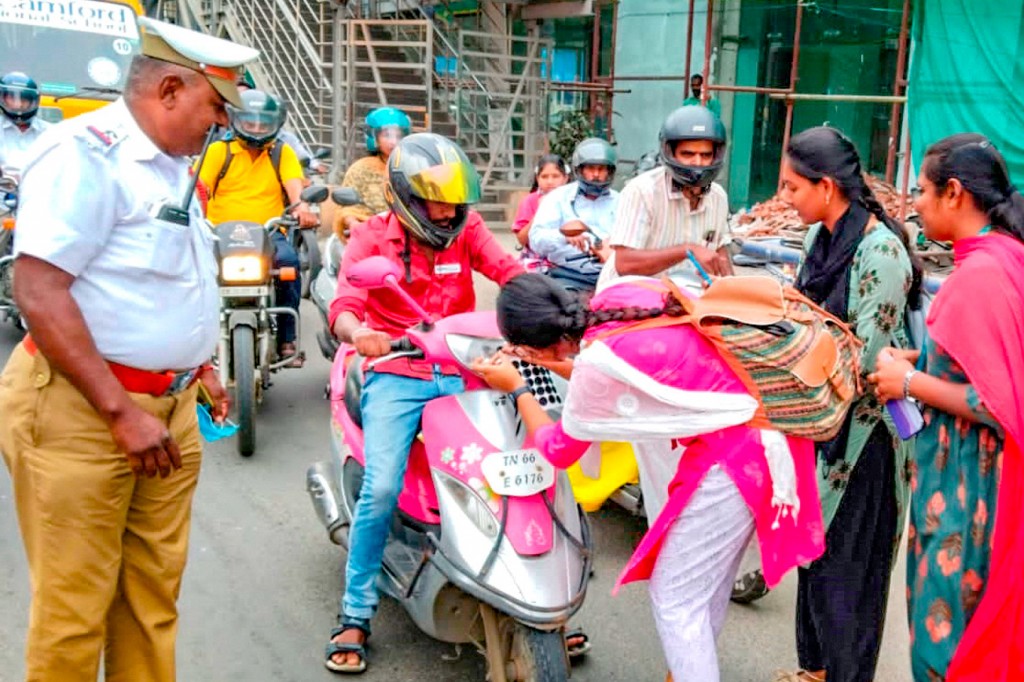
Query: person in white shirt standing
677	208
19	126
116	278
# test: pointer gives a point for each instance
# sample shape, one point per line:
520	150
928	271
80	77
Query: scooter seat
354	389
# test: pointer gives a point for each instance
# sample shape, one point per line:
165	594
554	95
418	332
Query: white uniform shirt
14	143
564	204
655	215
147	288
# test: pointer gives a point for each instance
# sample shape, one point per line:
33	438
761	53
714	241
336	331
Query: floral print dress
880	278
954	482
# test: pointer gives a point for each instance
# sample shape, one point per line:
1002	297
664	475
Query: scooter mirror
322	153
373	272
315	194
346	196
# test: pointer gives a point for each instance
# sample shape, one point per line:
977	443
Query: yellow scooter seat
618	468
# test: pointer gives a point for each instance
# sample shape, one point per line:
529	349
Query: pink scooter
488	544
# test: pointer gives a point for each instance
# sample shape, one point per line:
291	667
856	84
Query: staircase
483	88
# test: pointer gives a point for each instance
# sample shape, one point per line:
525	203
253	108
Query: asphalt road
263	581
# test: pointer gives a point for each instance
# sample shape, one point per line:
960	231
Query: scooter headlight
466	349
242	269
471	504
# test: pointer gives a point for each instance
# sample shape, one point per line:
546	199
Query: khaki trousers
106	550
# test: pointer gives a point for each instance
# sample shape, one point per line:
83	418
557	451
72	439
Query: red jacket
442	282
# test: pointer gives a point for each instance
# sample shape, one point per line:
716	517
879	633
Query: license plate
244	292
518	473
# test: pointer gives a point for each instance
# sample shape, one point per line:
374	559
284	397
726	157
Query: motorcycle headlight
239	269
466	349
474	507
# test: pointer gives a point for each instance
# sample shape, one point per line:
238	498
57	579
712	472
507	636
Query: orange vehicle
78	51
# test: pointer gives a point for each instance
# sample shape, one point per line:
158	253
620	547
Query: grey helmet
692	122
594	151
259	120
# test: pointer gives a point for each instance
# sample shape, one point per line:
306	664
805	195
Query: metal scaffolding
790	95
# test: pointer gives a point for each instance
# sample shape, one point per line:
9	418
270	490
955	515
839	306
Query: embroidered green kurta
880	279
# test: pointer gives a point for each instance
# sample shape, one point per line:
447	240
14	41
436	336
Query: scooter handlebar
401	345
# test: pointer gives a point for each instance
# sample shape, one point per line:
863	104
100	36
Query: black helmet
259	120
692	122
594	151
428	167
19	97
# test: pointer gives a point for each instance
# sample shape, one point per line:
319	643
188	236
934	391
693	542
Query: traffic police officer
98	405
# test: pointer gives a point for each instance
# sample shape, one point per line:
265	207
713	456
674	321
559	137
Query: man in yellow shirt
254	177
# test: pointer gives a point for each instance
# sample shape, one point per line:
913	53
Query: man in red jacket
438	241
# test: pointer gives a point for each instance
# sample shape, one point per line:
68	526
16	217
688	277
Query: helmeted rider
588	203
433	235
384	128
253	176
20	126
676	209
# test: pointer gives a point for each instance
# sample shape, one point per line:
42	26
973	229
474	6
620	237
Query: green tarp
967	75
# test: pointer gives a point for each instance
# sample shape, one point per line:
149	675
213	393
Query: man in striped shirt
675	209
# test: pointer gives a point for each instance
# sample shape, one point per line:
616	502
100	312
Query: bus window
79	48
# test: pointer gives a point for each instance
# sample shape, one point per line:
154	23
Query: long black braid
535	311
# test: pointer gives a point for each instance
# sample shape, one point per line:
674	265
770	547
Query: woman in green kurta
857	266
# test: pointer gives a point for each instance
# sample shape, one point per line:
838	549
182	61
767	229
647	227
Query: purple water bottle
906	417
904	412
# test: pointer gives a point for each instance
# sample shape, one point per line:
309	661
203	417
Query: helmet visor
20	101
257	124
390	133
453	182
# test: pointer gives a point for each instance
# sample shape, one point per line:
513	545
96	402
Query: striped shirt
652	214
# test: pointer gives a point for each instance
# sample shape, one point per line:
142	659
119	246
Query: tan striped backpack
799	361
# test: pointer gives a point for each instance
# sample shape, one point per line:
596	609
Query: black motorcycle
247	352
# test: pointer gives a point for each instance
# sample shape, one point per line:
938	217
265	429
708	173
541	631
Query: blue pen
700	270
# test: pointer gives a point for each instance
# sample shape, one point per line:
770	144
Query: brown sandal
799	676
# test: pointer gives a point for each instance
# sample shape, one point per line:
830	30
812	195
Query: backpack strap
275	161
228	155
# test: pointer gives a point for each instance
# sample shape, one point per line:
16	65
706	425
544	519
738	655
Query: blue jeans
392	408
286	294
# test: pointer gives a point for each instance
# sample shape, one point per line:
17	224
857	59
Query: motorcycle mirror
315	194
373	272
346	196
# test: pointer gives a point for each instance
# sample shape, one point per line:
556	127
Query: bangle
906	383
522	390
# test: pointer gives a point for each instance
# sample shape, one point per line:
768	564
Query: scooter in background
326	281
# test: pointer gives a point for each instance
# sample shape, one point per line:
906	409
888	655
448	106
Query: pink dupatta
978	319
